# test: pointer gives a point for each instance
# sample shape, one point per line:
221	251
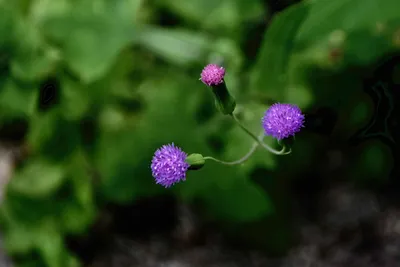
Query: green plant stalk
239	161
260	140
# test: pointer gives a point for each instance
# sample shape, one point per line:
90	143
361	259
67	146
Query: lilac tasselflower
169	165
282	120
212	75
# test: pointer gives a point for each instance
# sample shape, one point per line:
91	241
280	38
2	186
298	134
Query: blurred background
90	89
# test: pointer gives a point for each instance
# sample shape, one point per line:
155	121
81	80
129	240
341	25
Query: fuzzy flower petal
212	75
168	165
282	120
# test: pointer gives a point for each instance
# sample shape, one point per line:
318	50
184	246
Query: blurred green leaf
102	35
79	211
228	14
7	28
312	35
226	193
327	16
177	46
51	246
50	243
75	99
75	218
44	202
31	66
43	9
121	161
53	135
348	32
38	179
34	59
229	52
18	237
367	45
269	74
239	201
16	100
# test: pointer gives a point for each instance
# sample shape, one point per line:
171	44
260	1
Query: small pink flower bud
212	75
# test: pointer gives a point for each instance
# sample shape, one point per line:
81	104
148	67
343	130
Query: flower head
282	120
212	75
168	165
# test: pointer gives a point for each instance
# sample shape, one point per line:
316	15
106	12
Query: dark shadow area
49	94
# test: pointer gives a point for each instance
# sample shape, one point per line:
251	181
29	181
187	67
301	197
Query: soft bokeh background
90	89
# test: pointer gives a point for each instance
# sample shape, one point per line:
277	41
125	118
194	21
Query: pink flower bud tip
212	75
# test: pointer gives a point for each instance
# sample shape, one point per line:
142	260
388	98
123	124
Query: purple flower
168	165
212	75
282	120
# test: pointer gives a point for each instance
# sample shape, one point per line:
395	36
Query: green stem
239	161
260	140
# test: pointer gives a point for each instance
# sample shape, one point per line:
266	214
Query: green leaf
347	15
16	100
365	46
53	135
318	35
38	179
121	161
90	41
177	46
228	14
75	218
66	198
342	33
42	10
34	59
75	99
226	193
50	244
33	65
79	211
239	201
269	74
7	28
17	238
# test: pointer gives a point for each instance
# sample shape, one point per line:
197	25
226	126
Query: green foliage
224	15
330	36
126	86
102	33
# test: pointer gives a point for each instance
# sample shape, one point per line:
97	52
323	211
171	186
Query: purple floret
168	165
282	120
212	75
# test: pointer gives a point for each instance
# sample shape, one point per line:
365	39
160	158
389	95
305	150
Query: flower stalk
213	76
281	121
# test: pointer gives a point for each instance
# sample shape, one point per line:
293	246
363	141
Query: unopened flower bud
213	76
196	161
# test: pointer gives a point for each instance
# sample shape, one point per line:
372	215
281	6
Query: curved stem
239	161
279	153
260	140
